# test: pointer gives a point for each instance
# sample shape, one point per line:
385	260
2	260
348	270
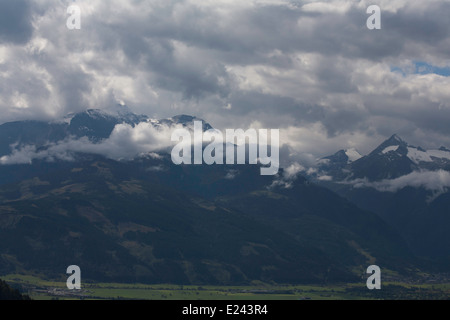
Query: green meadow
41	289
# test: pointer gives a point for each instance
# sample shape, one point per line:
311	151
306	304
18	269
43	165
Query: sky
309	68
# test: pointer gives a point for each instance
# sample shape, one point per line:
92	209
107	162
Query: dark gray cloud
15	21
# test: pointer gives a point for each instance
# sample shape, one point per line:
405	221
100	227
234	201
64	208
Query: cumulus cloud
288	176
125	143
310	66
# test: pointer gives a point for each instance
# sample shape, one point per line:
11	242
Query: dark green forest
8	293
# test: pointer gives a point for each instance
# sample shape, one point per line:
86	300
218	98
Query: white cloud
310	66
125	143
288	176
325	178
437	181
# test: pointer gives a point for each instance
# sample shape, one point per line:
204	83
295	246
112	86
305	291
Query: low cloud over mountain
431	180
125	143
390	167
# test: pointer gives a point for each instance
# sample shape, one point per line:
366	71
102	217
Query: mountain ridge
149	220
93	124
392	159
406	186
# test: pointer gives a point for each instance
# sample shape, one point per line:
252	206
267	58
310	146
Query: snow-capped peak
352	155
392	159
396	138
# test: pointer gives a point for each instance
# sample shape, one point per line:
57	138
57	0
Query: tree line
8	293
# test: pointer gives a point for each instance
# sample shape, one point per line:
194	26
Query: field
40	289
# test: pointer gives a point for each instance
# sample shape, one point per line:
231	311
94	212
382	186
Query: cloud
15	21
125	143
437	181
231	174
310	66
287	177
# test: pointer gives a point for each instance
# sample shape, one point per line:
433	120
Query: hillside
7	293
144	219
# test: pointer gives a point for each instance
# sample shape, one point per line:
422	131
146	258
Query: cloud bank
125	143
312	67
437	181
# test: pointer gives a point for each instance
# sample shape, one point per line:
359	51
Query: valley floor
39	289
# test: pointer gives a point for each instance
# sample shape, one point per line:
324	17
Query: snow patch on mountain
390	149
440	154
353	155
418	156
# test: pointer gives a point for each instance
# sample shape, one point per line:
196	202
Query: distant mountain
98	124
148	220
93	124
336	164
391	159
407	186
185	120
344	157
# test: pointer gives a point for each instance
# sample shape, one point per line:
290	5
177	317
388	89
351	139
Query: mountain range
407	186
391	159
145	219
